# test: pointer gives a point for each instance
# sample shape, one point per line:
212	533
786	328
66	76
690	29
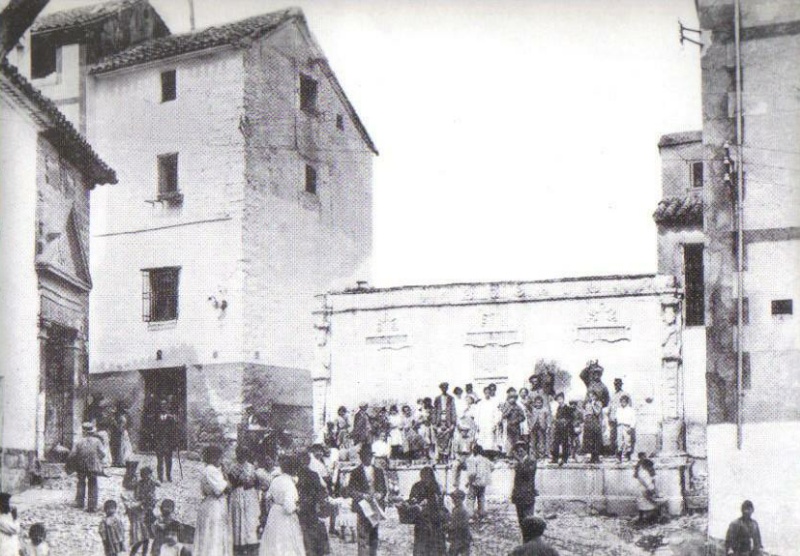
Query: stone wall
298	244
397	344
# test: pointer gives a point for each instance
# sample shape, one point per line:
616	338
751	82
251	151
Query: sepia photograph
399	277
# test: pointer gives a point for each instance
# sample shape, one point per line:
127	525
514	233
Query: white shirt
626	416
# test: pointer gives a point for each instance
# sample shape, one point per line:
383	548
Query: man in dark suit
523	496
165	439
367	482
86	460
362	427
444	421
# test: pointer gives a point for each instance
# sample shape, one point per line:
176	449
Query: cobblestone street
73	532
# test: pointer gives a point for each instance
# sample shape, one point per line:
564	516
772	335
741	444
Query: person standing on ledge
165	437
523	495
744	537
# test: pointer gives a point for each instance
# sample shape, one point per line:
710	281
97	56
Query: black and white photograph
399	277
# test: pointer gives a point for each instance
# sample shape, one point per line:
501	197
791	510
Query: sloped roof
682	211
174	45
65	137
680	138
81	16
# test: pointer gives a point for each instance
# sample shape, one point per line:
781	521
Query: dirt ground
73	532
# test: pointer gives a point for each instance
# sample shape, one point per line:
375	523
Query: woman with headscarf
9	527
312	507
431	518
593	427
282	533
213	532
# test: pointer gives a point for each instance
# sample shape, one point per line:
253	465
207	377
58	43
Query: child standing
479	475
540	422
171	546
458	532
163	526
36	544
562	431
626	427
140	511
112	530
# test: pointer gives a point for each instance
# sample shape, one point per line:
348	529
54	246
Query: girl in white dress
282	534
213	532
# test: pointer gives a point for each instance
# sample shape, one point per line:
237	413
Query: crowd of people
447	426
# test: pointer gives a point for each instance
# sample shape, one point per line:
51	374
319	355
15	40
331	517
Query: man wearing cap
613	406
165	438
86	459
533	528
744	537
444	421
367	482
523	495
362	428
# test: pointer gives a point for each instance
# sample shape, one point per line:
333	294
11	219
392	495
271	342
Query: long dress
125	446
282	534
429	524
592	429
244	505
646	501
9	535
312	498
487	416
213	531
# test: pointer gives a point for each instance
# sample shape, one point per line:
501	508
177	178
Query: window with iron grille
168	174
311	179
694	284
160	294
697	174
169	90
308	94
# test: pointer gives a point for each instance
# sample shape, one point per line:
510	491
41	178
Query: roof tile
81	15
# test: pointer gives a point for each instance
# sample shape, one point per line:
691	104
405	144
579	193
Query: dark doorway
163	384
59	388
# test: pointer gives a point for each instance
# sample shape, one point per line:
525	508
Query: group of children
144	526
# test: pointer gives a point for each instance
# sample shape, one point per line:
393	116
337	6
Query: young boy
140	511
540	422
562	431
164	525
626	427
112	530
36	544
458	532
171	546
479	475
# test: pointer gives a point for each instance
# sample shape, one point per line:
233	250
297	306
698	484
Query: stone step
52	470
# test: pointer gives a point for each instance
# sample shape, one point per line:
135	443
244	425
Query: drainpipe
737	30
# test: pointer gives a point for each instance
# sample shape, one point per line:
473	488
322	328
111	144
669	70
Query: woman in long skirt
593	428
311	506
213	532
244	505
282	534
430	520
125	446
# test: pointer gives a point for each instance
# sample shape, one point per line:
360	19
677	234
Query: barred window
168	174
160	294
697	174
169	90
308	94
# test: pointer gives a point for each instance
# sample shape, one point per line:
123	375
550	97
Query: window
339	122
308	94
160	294
782	307
694	285
311	179
167	175
747	376
169	89
697	174
44	58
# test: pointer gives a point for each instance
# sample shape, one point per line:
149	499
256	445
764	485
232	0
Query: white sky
517	138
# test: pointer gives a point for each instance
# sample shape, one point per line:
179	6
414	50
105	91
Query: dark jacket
458	532
165	432
444	412
524	491
535	547
312	501
359	488
362	428
87	456
743	537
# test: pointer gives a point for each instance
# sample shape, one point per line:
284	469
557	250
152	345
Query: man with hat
86	460
367	482
165	438
613	406
523	495
444	421
533	528
362	427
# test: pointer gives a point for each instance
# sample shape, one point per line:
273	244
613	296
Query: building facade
245	190
751	144
48	170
